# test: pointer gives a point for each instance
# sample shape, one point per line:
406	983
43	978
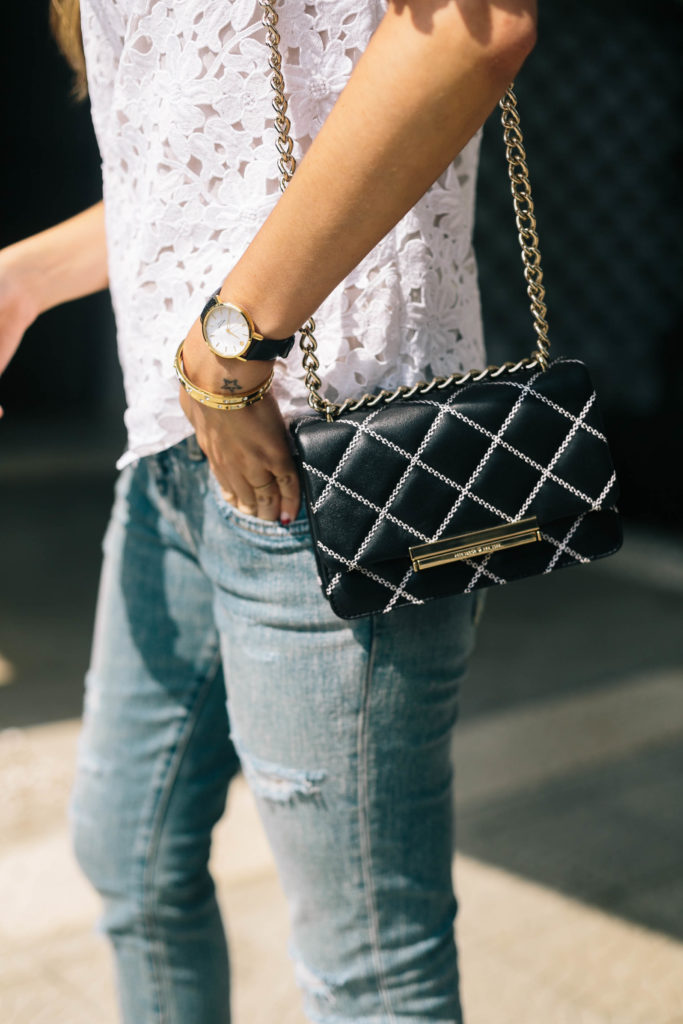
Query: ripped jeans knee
274	782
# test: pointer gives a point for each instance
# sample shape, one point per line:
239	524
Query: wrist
270	316
64	262
20	279
220	376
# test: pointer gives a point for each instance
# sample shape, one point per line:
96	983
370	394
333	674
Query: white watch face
227	330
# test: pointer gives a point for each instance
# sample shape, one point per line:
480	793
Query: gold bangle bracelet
229	403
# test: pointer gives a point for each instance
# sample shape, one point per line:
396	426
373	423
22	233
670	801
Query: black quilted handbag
463	482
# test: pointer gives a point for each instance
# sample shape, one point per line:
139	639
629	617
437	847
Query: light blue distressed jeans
343	731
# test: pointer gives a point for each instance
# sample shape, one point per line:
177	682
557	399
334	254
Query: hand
249	454
17	308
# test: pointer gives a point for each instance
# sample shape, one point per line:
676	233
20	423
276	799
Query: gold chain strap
525	218
528	239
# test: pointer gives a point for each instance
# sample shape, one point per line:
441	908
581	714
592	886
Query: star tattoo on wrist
231	384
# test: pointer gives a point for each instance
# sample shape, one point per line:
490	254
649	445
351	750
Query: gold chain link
525	218
528	239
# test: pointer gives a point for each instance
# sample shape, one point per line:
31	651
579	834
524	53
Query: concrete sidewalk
529	955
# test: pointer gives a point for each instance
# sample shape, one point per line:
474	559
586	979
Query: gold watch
230	333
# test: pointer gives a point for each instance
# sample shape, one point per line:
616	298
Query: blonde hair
65	21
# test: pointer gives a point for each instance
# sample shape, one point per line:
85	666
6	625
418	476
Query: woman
209	582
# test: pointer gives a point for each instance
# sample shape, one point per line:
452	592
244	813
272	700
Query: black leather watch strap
260	348
270	348
209	304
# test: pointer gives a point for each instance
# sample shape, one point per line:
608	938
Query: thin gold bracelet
229	403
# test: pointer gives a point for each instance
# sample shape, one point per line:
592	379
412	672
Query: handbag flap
463	459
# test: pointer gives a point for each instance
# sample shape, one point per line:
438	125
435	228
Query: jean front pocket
254	525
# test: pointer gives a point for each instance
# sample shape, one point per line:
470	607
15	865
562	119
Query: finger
268	501
238	492
246	499
267	497
290	492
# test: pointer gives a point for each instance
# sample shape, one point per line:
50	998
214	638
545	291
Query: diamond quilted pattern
466	458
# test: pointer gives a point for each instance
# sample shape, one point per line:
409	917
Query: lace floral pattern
181	105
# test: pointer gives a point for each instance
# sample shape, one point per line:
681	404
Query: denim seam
364	830
158	968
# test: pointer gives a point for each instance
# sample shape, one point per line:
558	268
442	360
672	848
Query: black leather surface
379	481
270	348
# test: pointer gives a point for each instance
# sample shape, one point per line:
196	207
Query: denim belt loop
194	452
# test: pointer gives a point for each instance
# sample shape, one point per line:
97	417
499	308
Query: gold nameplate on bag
472	545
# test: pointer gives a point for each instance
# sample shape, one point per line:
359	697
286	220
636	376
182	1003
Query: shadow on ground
606	828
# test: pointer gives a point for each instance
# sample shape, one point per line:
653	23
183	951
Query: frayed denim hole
278	783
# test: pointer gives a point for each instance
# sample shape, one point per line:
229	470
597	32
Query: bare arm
62	263
431	74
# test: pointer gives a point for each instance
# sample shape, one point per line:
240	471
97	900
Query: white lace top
181	104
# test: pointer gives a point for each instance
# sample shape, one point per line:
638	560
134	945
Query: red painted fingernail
285	519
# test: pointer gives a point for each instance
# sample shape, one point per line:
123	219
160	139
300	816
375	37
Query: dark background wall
600	100
600	104
50	169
